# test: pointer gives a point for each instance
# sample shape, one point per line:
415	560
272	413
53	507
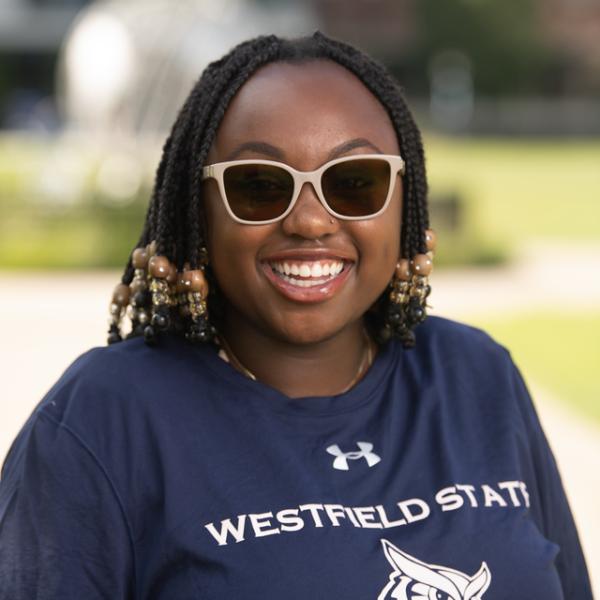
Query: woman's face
302	115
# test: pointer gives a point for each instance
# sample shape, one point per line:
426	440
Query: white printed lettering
492	496
384	518
511	486
228	528
335	512
410	516
314	511
289	520
366	518
411	510
525	493
468	490
260	522
351	516
448	499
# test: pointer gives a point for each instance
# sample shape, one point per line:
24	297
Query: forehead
305	109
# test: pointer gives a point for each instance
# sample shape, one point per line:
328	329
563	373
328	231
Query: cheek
380	237
379	251
225	238
232	250
232	260
379	244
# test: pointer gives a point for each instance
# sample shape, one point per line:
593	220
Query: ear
479	583
419	571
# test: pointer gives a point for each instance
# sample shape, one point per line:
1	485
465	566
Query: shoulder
461	373
464	366
99	372
108	386
458	342
116	398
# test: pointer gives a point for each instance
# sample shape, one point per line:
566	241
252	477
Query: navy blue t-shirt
163	473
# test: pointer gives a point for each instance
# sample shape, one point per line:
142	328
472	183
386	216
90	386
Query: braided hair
174	218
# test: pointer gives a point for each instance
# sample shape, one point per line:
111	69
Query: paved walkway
47	320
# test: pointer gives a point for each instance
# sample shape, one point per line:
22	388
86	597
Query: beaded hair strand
152	292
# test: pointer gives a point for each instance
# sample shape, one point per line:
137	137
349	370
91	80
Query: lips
304	279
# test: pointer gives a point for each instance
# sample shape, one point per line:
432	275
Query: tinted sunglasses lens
357	188
257	192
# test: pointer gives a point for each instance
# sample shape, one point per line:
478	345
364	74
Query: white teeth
312	273
304	282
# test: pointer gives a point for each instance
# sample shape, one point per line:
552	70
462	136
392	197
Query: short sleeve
554	518
63	533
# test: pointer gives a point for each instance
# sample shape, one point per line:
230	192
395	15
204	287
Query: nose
308	218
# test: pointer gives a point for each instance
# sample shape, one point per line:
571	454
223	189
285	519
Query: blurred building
386	28
510	67
31	33
573	27
36	25
568	31
516	67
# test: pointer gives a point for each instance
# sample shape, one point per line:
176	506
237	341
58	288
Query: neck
322	368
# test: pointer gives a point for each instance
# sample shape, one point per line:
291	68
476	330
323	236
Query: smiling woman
280	384
303	229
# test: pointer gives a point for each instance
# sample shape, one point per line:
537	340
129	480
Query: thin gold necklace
227	354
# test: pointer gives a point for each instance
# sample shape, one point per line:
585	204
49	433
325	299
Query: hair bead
407	299
159	267
121	295
172	275
151	249
402	271
120	298
139	283
430	239
139	258
195	281
421	264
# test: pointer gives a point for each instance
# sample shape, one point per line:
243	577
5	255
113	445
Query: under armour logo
341	458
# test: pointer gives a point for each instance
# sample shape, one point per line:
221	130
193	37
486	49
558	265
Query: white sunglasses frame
216	171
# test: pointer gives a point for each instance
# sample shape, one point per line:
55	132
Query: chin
309	329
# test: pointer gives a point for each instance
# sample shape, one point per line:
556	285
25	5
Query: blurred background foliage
505	46
507	94
558	349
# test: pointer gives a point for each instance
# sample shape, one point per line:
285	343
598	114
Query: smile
307	280
307	273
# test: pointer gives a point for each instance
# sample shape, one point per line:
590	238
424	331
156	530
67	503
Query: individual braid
175	219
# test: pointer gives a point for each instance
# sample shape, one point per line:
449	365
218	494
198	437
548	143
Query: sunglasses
257	192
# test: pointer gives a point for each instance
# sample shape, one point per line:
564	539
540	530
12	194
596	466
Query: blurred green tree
501	40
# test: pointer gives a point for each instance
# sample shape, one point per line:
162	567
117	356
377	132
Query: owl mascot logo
416	580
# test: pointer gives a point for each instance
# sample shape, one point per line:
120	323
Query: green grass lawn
517	189
560	352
